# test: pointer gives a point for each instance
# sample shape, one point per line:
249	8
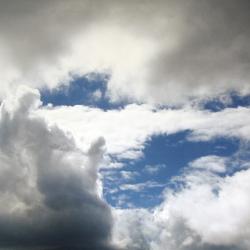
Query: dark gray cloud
211	55
48	191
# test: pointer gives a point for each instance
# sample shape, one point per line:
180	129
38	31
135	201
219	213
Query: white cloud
126	130
97	95
134	228
211	163
128	175
220	219
207	212
154	169
137	187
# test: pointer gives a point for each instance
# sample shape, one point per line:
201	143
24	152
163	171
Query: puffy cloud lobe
161	51
217	209
206	212
48	187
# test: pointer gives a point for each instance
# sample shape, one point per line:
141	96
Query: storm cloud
48	187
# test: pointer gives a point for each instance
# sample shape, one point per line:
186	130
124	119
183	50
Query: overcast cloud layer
160	51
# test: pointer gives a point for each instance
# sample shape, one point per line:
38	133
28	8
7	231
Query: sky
124	125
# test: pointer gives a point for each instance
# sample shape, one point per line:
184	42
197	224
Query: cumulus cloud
206	212
48	187
212	206
161	51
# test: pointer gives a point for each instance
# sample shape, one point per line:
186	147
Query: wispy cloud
137	187
154	169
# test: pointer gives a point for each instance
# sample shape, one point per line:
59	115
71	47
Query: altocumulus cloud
48	187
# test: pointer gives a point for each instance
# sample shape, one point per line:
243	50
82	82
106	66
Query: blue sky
81	91
234	100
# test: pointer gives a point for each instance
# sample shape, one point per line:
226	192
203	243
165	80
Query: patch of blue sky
89	90
232	100
146	198
165	156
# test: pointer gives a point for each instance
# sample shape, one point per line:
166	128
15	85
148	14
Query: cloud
48	186
128	175
154	169
205	212
161	51
137	187
51	190
211	214
126	130
200	212
211	163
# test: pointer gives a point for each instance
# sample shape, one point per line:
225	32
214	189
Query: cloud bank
160	52
48	186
